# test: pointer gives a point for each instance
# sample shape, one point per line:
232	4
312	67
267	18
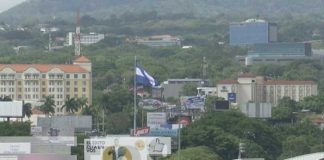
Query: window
84	83
67	83
19	83
43	83
75	75
67	89
84	76
67	76
75	83
43	89
75	89
19	96
43	75
83	89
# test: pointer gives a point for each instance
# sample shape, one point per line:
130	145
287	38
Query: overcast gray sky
6	4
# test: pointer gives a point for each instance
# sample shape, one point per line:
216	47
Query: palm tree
71	105
27	110
83	102
48	106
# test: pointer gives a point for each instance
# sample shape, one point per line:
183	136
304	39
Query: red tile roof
228	81
286	82
43	68
36	111
82	59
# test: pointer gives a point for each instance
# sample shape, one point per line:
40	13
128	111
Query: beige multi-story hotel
251	88
33	82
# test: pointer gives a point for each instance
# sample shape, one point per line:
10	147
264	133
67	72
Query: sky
6	4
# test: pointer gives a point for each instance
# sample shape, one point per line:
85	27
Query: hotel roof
43	68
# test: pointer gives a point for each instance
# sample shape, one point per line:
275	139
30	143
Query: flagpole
135	88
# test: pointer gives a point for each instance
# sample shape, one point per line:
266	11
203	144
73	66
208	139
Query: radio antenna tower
77	37
204	67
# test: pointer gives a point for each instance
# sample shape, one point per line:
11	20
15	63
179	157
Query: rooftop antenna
77	37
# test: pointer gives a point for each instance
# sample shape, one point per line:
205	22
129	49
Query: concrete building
279	53
85	39
159	41
174	87
33	82
252	31
251	88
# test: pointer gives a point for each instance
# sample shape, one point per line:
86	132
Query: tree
196	153
295	146
313	103
288	102
48	108
282	114
71	105
27	110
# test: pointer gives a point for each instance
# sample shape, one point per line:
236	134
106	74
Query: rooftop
43	68
82	59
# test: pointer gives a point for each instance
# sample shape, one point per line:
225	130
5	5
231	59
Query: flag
143	78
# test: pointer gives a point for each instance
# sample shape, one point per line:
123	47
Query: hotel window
83	89
67	83
84	76
43	75
19	89
75	75
75	89
67	76
43	89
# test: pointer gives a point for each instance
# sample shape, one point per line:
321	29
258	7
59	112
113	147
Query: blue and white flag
142	77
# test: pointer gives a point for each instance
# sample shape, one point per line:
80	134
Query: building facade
252	31
173	88
85	39
33	82
251	88
279	53
159	41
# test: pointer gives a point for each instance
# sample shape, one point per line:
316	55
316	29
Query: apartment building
251	88
33	82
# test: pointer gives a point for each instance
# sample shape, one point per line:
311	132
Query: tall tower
77	37
204	68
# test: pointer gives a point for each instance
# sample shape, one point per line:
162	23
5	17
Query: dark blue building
252	31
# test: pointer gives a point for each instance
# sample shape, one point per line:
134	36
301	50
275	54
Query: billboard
221	105
11	109
130	148
38	157
231	97
156	119
15	148
193	102
150	104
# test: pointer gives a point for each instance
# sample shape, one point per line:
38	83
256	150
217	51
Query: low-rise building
85	39
174	87
159	41
251	88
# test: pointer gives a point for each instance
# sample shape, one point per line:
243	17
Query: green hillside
41	10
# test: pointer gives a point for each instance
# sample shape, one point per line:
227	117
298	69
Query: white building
86	39
251	88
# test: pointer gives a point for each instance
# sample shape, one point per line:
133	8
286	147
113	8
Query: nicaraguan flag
142	77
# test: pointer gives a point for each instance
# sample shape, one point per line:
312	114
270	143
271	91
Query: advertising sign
231	97
15	148
156	119
163	132
130	148
221	105
193	102
142	131
38	157
36	131
150	104
11	109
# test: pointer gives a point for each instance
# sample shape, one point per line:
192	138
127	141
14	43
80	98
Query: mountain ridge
42	10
